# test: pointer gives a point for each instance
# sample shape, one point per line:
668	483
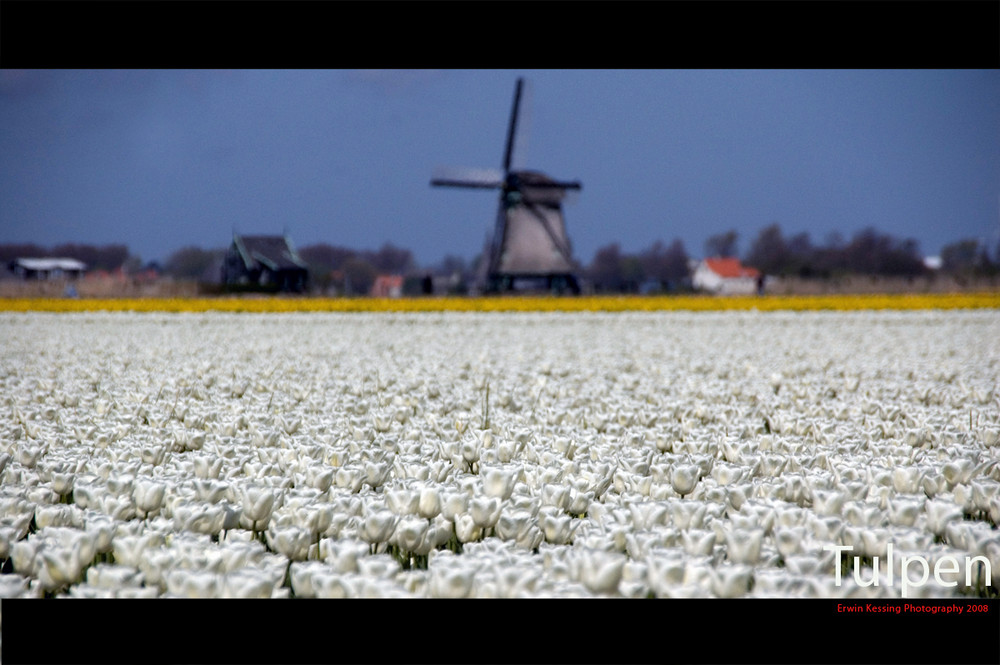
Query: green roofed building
264	263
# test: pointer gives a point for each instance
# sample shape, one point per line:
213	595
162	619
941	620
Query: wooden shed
264	263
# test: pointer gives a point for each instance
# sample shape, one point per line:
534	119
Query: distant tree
324	258
606	270
873	253
12	251
359	276
450	265
967	258
769	252
392	260
667	265
722	244
191	262
103	257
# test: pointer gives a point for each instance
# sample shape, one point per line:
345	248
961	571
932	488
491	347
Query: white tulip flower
939	514
208	490
207	467
246	583
411	535
192	584
555	495
598	570
789	540
684	477
698	542
258	504
485	511
148	496
113	576
13	586
557	528
454	504
378	526
466	529
291	542
499	482
452	582
731	581
744	545
349	477
199	517
429	502
59	567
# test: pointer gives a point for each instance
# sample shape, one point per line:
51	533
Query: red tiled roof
730	267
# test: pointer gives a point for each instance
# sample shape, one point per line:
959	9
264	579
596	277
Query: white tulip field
733	454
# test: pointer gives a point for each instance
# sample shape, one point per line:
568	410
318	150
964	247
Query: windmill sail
529	240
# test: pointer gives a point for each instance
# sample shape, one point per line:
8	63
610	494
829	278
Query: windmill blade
508	154
555	184
467	177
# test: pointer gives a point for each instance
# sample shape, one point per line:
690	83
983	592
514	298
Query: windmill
529	243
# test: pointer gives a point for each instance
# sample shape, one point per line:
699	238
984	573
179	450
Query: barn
264	263
47	268
726	276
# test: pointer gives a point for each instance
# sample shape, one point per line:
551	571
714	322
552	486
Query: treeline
349	270
658	267
868	253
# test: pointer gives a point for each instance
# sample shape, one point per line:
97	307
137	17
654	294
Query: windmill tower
529	243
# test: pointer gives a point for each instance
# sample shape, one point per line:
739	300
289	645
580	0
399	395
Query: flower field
765	447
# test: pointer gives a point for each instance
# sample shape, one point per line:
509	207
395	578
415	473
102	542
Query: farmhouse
47	268
387	286
264	263
726	276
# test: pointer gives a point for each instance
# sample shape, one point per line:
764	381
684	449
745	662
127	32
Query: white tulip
192	584
452	582
558	529
113	576
684	477
903	512
688	514
258	504
246	583
939	514
698	542
148	496
58	567
744	545
292	542
378	526
499	482
485	511
429	502
731	581
207	467
402	500
454	504
555	495
208	490
466	529
411	535
789	540
598	570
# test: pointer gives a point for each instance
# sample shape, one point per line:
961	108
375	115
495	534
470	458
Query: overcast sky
162	159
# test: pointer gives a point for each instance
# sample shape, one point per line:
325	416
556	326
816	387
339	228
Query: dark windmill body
530	248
